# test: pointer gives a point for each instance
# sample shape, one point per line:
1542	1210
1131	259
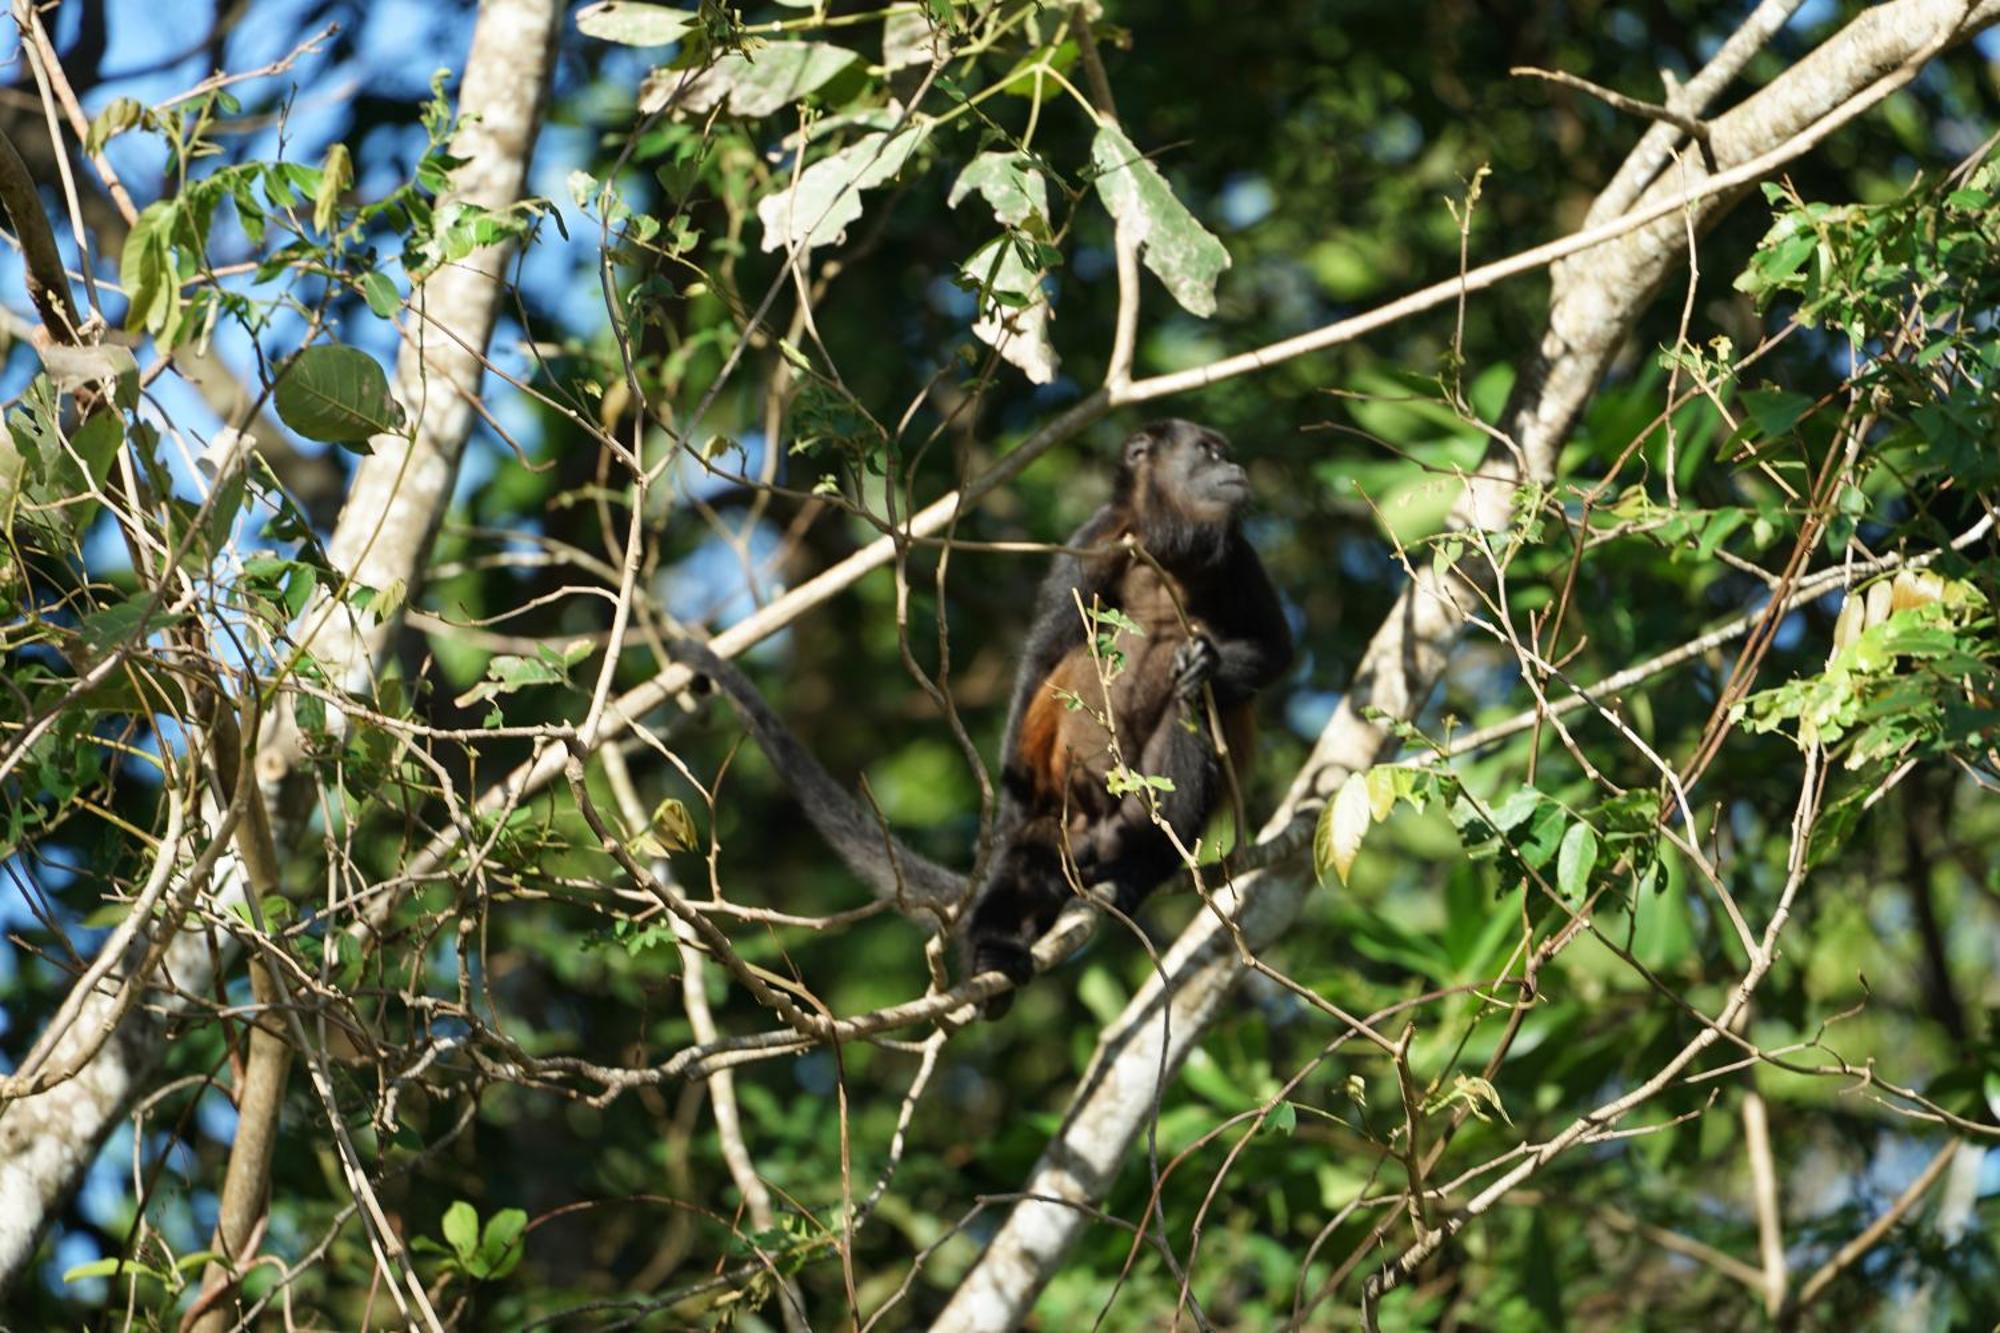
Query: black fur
1179	496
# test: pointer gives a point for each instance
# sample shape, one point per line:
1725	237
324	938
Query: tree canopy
397	935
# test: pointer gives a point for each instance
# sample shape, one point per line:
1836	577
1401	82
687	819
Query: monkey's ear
1137	446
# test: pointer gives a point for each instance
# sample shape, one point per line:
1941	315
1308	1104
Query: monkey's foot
1009	957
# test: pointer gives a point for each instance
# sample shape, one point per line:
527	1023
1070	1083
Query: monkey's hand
1195	662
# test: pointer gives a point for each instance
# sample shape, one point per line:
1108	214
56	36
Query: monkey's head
1181	487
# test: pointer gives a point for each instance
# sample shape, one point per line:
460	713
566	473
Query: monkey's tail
878	856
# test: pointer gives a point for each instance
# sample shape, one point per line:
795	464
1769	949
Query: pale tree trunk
401	490
1595	300
383	536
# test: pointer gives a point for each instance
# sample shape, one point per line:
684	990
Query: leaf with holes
748	84
1013	308
1179	250
1010	184
632	24
827	197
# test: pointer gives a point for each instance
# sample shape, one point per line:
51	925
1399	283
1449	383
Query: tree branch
48	284
1847	1255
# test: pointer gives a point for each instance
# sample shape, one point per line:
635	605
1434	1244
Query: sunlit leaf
671	830
747	84
461	1229
380	294
1342	825
1009	183
1575	861
1013	309
336	173
108	1268
827	197
1178	249
630	23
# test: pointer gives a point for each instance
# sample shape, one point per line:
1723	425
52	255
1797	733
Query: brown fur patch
1038	738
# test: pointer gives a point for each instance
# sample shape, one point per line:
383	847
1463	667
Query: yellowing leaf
336	173
1381	791
1342	826
671	830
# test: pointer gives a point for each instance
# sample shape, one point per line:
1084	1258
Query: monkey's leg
1022	898
1129	849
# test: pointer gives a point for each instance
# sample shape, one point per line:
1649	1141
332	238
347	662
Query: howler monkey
1177	497
1205	612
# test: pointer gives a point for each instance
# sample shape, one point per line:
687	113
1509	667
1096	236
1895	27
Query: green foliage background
1321	144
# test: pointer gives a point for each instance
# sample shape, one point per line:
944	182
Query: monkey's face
1188	468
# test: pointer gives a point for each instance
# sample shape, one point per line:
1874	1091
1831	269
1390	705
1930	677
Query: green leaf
1717	529
507	673
1122	781
1539	844
631	24
1179	250
1516	808
1211	1081
1576	860
299	585
146	270
1383	782
671	830
1284	1118
121	114
109	1268
1100	993
1775	411
135	617
827	196
380	293
500	1248
1118	620
338	395
461	1230
96	443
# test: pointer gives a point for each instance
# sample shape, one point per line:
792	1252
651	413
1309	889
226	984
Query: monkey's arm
1247	626
888	867
1058	626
